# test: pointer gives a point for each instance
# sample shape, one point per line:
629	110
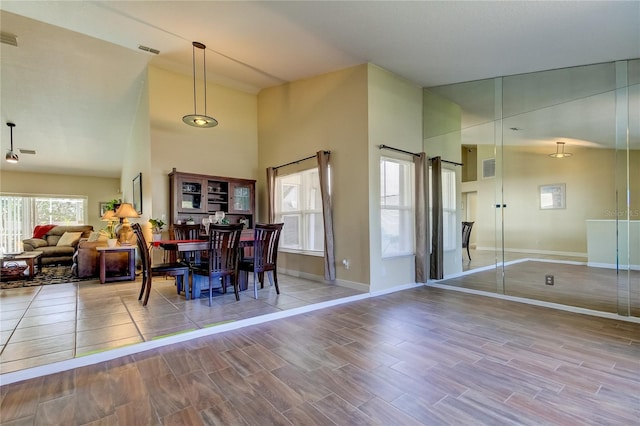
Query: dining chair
221	263
265	256
466	234
177	270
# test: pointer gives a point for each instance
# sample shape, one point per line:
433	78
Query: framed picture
552	196
104	206
137	193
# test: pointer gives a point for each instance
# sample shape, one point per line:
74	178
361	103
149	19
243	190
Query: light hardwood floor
46	324
423	356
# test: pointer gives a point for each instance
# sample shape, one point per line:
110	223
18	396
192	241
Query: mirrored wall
551	182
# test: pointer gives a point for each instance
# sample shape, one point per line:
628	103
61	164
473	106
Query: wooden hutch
199	196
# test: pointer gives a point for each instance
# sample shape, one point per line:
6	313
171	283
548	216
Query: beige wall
96	189
395	119
590	181
326	112
229	149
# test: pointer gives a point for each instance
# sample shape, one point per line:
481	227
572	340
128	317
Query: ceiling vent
10	39
27	151
148	49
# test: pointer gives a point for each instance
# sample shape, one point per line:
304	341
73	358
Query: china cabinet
199	196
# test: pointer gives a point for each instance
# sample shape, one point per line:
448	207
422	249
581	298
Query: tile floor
46	324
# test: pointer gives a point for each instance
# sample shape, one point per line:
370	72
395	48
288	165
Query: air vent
10	39
488	168
27	151
148	49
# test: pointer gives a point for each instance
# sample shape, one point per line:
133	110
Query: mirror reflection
559	228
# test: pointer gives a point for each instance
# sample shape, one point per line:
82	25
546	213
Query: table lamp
124	212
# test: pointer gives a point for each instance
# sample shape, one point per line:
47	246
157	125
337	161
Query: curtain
437	230
327	216
421	216
272	172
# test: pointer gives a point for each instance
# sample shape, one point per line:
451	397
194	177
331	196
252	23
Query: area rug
49	275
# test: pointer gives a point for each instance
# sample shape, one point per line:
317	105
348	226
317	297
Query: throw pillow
69	239
41	230
93	236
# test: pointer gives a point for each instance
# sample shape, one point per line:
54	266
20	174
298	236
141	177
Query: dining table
202	244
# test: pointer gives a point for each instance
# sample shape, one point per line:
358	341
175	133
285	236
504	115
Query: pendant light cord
193	56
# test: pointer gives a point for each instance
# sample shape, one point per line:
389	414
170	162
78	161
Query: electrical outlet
548	279
346	263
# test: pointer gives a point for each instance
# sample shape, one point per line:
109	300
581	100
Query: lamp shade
108	216
126	210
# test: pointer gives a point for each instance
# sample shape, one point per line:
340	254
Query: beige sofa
51	252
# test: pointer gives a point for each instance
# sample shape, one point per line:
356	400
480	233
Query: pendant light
195	119
11	156
560	151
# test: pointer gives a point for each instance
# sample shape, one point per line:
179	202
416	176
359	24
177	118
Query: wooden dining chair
466	234
223	255
177	270
265	256
186	232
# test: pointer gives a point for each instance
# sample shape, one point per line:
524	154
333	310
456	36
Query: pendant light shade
560	151
195	119
11	156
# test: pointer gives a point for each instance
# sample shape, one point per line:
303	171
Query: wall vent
488	168
9	39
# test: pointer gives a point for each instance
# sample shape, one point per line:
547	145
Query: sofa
48	244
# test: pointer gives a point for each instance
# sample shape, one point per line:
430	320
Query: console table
104	252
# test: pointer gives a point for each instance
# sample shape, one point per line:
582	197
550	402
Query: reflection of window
20	215
396	207
449	216
299	207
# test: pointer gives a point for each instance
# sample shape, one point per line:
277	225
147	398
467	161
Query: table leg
103	267
30	266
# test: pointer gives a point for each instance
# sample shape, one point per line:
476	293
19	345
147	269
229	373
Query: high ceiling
74	81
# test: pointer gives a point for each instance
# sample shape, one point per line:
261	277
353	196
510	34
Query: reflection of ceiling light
560	151
195	119
11	156
515	129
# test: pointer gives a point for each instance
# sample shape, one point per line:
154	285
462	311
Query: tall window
19	214
396	207
299	207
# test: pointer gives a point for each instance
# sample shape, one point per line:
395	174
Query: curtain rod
300	160
416	155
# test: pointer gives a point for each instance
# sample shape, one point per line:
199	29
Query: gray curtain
421	164
271	194
437	231
327	216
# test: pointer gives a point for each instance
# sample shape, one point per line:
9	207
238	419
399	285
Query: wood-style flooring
575	284
423	356
46	324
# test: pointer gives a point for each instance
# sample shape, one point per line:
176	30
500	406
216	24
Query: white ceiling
73	83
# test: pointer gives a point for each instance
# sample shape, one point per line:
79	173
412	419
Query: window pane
396	207
315	238
290	237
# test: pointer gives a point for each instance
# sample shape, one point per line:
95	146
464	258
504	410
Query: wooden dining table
202	244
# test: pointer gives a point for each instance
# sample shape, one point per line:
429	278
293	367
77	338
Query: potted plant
156	227
110	232
190	221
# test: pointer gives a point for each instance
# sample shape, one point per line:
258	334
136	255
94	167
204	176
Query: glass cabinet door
241	201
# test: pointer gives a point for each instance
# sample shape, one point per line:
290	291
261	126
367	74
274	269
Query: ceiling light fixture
560	151
195	119
11	156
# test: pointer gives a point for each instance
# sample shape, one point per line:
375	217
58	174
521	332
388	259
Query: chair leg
185	283
236	286
275	280
210	291
144	284
468	254
148	292
255	284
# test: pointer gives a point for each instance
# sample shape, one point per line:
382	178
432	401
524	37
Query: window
299	207
20	214
396	207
